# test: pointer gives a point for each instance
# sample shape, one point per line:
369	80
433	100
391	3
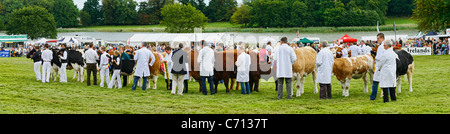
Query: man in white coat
376	75
243	70
388	67
142	66
364	48
47	56
355	50
104	70
324	64
284	57
206	61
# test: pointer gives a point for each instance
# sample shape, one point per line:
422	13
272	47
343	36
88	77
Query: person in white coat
47	56
284	57
104	70
141	58
168	60
387	66
243	70
324	64
206	61
64	61
364	48
376	75
355	50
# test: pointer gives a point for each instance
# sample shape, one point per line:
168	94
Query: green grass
401	24
21	93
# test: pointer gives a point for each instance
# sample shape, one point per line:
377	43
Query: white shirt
270	49
91	56
285	57
324	64
344	53
388	67
64	56
380	51
142	66
355	50
243	67
47	55
168	58
366	49
206	61
104	59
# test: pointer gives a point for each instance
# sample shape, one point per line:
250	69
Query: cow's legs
155	79
81	74
399	82
366	86
314	76
75	73
256	85
225	82
347	86
409	74
343	87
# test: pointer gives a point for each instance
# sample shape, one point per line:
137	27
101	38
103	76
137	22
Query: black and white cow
405	65
76	62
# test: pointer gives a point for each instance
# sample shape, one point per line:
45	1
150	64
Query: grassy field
21	93
401	24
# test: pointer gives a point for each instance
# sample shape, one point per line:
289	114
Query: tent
305	40
346	39
431	33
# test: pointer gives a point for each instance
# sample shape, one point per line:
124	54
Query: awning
346	39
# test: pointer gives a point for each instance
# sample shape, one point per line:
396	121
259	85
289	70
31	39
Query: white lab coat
206	61
366	49
324	64
243	67
388	67
285	57
142	56
355	50
168	58
380	51
344	53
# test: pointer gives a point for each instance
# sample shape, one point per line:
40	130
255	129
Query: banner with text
4	53
418	50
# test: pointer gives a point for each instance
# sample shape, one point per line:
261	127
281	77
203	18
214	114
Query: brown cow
354	67
305	65
256	69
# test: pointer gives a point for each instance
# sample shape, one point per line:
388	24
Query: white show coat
366	49
206	61
243	67
142	66
47	55
168	58
285	57
388	68
324	64
380	51
355	50
344	53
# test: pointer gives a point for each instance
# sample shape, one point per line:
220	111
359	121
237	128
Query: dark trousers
91	67
325	91
280	82
135	81
185	82
211	84
389	91
124	80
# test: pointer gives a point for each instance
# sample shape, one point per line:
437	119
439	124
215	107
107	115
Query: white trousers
115	77
46	70
104	72
37	69
62	73
177	81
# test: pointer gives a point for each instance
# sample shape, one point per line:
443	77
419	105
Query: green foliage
221	10
241	16
119	12
400	8
65	13
35	21
432	14
93	8
179	18
85	18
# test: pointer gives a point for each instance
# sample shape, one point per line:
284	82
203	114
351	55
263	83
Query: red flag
297	34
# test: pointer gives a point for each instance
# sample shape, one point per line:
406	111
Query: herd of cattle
344	68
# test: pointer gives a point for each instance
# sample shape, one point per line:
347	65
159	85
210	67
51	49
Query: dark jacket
114	66
179	59
37	56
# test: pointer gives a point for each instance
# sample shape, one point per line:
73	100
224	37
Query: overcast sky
80	3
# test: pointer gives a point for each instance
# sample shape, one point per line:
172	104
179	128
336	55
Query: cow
405	65
354	67
337	52
256	70
155	69
76	62
56	64
303	66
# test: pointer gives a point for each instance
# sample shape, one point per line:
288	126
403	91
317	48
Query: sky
80	3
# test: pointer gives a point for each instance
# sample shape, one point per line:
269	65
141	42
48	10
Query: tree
299	17
119	12
93	8
179	18
400	8
34	21
221	10
85	18
241	16
432	14
65	13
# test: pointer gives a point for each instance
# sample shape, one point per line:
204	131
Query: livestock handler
243	68
387	66
206	61
142	66
324	64
47	56
37	62
284	57
91	64
64	60
377	75
179	69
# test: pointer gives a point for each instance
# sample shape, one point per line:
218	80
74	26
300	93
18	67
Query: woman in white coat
388	67
324	64
243	68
